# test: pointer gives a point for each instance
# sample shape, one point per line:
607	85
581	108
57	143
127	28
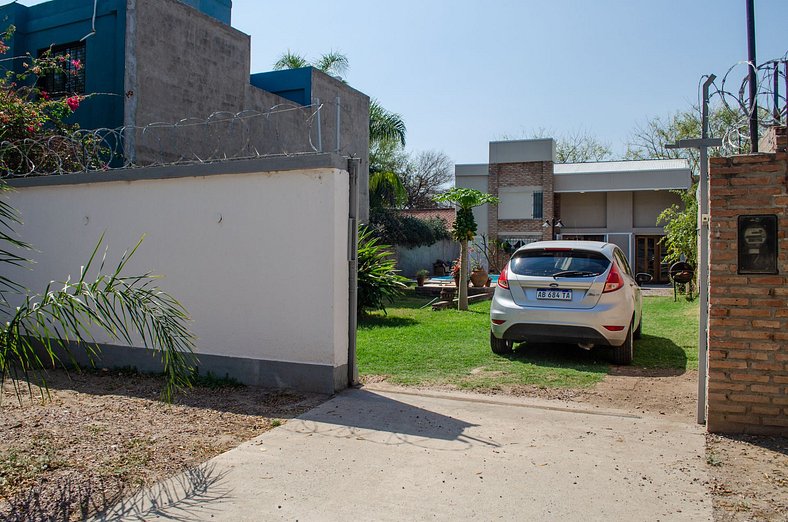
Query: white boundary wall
257	256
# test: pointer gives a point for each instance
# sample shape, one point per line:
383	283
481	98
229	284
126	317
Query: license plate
552	294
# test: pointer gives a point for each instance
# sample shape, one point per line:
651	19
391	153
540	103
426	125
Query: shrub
378	280
396	229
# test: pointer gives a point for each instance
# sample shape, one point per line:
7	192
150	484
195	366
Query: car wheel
639	330
501	346
622	355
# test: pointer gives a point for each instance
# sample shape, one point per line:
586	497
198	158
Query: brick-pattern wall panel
537	173
748	322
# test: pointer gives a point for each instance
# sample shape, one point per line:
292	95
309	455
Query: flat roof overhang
623	181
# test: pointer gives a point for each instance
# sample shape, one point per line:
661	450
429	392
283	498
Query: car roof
596	246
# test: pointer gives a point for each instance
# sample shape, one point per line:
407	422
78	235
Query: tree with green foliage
649	141
396	228
681	225
464	228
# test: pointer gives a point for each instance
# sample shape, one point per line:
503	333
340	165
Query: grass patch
412	345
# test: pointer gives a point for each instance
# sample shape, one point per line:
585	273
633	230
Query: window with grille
69	80
538	200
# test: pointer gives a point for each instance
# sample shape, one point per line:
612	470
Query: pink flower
77	64
30	129
73	103
44	95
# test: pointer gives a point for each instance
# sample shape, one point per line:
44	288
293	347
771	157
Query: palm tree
464	228
386	190
383	125
42	331
333	63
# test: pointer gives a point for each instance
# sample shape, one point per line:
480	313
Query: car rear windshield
559	263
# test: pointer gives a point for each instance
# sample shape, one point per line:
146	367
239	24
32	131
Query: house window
69	80
538	202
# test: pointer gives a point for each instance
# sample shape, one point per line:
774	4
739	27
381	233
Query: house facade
616	201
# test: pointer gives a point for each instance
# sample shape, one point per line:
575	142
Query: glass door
648	258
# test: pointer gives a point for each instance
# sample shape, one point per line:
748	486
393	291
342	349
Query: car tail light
503	278
498	321
614	328
614	280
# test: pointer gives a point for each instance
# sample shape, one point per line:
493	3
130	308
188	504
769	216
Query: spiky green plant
378	280
44	330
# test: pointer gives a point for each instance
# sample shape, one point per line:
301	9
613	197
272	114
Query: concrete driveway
392	454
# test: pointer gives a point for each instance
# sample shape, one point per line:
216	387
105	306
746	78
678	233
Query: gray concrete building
614	201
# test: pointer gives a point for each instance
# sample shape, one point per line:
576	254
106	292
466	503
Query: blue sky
462	73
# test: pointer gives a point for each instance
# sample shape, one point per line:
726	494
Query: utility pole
703	235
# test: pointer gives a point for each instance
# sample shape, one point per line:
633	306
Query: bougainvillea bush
34	135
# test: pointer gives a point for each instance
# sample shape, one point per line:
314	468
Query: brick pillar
748	322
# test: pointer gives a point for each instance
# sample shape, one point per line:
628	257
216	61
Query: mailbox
758	244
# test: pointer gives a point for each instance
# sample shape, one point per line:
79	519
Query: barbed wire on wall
282	130
732	92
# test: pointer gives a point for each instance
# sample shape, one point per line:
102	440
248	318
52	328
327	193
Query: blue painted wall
219	9
292	84
65	21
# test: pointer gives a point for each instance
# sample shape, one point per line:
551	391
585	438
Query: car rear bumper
553	325
537	333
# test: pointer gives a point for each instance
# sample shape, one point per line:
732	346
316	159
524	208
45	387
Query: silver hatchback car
580	292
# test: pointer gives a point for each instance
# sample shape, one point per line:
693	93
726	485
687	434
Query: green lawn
416	346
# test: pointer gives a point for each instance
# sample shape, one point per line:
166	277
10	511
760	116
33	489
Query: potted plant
421	275
479	275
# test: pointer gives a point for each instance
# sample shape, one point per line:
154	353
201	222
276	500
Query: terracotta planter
479	277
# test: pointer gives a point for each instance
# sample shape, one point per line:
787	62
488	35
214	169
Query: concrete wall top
623	180
270	164
522	151
476	169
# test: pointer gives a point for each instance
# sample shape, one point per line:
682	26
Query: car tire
622	355
501	346
639	330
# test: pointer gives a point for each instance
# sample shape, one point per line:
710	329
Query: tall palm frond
386	190
8	253
290	60
42	332
385	125
333	63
